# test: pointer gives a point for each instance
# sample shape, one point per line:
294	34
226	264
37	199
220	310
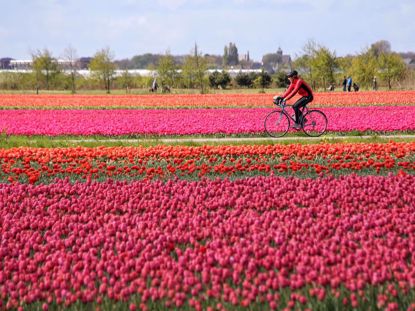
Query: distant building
283	61
5	63
274	62
256	65
8	63
84	62
244	57
21	64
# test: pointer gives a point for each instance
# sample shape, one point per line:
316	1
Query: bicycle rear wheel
314	123
277	123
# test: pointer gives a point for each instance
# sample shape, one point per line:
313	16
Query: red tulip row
165	162
258	243
198	100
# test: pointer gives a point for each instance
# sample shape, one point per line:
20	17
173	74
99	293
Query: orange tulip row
198	100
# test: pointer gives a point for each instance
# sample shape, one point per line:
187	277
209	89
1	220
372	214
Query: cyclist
297	85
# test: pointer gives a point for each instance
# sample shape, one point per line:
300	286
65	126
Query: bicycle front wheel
277	123
314	123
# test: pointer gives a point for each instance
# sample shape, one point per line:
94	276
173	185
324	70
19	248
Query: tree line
317	64
322	67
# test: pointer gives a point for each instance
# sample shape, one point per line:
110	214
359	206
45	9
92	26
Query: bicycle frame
283	105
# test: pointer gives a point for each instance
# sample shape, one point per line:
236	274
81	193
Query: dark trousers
299	104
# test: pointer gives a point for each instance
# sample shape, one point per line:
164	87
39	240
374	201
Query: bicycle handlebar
281	102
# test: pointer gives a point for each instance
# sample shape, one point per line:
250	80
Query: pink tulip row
191	121
239	242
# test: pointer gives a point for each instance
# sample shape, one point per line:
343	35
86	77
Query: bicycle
278	122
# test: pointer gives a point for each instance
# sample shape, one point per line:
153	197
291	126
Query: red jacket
300	86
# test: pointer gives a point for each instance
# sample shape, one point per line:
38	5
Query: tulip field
199	101
42	165
319	226
214	114
159	122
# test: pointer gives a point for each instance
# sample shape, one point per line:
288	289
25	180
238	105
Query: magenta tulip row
238	241
191	121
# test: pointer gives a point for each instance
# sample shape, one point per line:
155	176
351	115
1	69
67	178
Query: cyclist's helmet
293	73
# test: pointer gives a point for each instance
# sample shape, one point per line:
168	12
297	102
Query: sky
133	27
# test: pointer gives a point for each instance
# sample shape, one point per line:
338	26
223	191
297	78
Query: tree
230	56
317	63
324	64
126	80
391	68
225	56
167	71
244	79
11	80
103	67
188	73
364	68
213	61
345	64
145	60
44	66
71	57
194	69
263	80
380	47
303	64
219	79
281	79
378	60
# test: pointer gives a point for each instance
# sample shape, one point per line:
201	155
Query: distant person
297	85
355	87
344	83
349	83
375	84
331	87
154	86
165	89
